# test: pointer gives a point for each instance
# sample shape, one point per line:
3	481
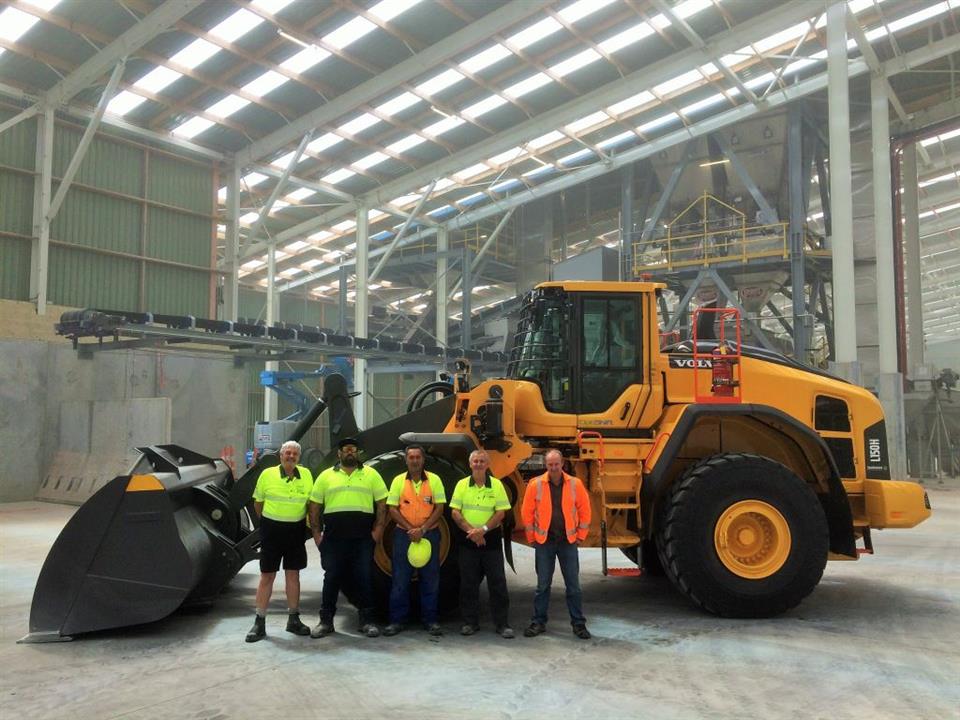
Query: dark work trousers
428	578
546	556
347	565
475	563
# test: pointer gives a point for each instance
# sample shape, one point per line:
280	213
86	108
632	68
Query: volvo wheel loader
735	471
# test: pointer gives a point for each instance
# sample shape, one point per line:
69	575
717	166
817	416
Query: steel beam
403	230
913	263
43	181
841	194
735	301
231	289
275	193
667	193
681	308
85	141
479	31
19	117
479	258
768	214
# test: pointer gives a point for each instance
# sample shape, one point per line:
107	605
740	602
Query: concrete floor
877	639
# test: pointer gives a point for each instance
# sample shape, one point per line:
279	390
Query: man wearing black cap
347	515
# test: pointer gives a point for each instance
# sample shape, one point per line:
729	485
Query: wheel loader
735	471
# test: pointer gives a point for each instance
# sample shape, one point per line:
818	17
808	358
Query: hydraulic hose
415	402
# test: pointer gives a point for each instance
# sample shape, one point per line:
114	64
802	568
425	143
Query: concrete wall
207	395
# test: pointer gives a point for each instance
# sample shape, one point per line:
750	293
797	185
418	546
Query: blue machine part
283	382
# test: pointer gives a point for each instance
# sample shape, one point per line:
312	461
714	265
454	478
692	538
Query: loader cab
584	349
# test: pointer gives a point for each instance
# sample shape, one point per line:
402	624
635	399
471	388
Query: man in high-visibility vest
280	499
415	502
478	506
347	515
556	514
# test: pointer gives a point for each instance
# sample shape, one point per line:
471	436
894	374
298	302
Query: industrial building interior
254	194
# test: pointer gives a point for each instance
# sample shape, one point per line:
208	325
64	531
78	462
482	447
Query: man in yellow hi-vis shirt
280	499
478	505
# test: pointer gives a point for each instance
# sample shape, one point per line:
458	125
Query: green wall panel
107	164
293	309
14	269
18	144
81	278
16	202
175	236
181	184
177	291
93	220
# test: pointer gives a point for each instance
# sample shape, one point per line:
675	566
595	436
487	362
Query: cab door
610	387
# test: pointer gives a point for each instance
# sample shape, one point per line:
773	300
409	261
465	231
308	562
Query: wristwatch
486	529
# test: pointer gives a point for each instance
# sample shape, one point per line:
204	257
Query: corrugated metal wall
293	309
135	231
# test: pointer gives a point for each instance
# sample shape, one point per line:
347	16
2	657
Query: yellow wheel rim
752	539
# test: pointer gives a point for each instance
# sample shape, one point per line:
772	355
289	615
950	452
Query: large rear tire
389	465
743	536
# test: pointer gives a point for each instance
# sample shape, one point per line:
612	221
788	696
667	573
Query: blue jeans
546	556
347	565
429	579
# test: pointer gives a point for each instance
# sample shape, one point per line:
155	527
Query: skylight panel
345	226
193	127
253	264
270	6
121	103
439	82
631	102
589	121
45	5
783	37
507	156
359	124
471	171
284	160
939	179
349	32
544	140
580	60
305	59
196	53
404	144
441	184
338	176
527	86
236	26
919	16
399	103
678	83
290	272
370	160
249	218
708	102
157	79
295	247
14	23
616	140
658	122
264	84
691	7
328	140
222	194
581	9
940	210
226	107
941	137
535	33
485	58
484	106
321	236
405	199
386	10
300	194
442	126
253	179
625	38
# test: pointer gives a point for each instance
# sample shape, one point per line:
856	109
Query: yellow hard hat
419	553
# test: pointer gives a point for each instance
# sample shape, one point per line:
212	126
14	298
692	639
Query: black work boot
258	631
295	626
324	628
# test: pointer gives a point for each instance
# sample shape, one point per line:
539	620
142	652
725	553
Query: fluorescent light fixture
338	176
193	127
939	178
714	162
15	23
679	82
405	199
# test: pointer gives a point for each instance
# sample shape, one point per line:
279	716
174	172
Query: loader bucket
141	546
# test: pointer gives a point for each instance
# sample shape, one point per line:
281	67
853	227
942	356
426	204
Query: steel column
440	292
19	117
479	258
466	327
40	247
403	230
275	193
270	400
842	279
883	224
667	192
342	299
798	212
911	241
733	300
361	316
626	220
768	214
231	284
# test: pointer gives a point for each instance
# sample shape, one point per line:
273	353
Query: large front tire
743	536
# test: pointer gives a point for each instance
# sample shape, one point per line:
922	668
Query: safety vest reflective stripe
574	526
284	499
477	507
284	518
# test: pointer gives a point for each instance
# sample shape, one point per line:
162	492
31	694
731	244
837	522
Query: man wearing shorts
280	500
